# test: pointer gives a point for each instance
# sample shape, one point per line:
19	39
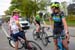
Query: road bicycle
22	44
42	33
59	39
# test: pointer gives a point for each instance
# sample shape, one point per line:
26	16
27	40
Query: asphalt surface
4	44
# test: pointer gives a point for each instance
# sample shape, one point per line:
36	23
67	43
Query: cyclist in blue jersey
59	25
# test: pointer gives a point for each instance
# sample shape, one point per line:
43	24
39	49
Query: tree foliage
27	7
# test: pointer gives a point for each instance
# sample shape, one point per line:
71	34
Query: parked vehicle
1	22
24	23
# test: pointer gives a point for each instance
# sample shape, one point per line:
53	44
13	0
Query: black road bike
42	35
22	44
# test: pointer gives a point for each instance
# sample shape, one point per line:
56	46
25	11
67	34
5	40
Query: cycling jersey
15	30
13	26
57	18
58	25
38	19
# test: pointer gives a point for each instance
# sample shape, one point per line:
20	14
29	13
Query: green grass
70	23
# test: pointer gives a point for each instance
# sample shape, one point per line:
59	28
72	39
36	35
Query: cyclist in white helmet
15	28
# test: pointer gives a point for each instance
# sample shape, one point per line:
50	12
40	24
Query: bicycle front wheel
44	39
34	45
12	44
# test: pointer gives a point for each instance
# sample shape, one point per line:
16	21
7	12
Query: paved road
4	45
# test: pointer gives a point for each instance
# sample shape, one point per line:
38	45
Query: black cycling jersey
58	25
57	18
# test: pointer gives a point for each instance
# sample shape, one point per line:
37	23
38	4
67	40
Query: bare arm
51	23
66	28
65	24
18	24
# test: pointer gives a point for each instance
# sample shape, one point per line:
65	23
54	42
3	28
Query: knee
55	42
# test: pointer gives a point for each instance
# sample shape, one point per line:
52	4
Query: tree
7	12
27	7
64	7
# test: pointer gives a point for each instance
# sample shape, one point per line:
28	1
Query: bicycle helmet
40	14
55	4
16	11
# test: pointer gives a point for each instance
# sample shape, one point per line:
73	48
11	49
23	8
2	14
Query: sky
4	5
62	0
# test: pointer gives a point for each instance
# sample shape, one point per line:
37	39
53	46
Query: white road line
5	32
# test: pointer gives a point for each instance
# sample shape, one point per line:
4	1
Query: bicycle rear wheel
12	44
34	45
44	39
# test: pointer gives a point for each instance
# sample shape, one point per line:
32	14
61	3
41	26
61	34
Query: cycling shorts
20	34
38	22
59	33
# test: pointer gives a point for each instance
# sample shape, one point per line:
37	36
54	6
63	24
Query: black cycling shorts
38	22
58	32
19	34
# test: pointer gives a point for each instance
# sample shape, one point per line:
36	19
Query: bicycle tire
44	39
10	43
32	43
34	34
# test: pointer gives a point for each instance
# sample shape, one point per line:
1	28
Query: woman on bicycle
37	23
59	25
15	28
